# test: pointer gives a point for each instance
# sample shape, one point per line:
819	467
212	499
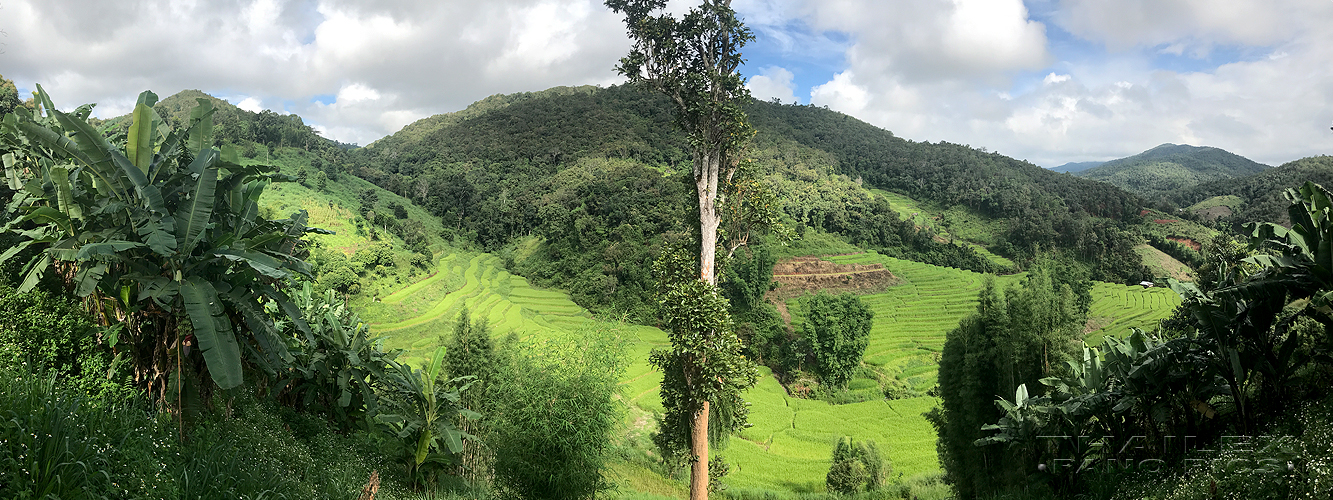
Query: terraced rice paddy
414	318
1117	308
912	318
789	446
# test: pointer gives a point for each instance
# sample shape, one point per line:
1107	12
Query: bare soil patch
1096	323
802	275
1188	242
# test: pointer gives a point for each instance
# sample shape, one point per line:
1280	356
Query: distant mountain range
1171	167
1077	166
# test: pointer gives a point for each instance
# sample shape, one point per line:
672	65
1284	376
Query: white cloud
430	56
357	92
1054	78
841	94
250	104
971	73
774	82
979	72
1193	25
933	40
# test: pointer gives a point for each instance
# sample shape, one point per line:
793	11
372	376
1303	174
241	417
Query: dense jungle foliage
141	274
1261	194
1240	369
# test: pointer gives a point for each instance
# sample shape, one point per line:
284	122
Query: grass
334	207
791	441
414	317
1117	308
912	318
1230	201
788	448
61	443
965	226
1163	265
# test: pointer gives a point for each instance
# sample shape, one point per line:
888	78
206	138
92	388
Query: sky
1048	81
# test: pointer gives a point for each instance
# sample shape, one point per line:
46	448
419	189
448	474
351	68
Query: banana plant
162	233
337	366
421	411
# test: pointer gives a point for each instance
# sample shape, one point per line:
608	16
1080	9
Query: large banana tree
162	233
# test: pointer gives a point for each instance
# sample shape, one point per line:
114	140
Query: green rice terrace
789	445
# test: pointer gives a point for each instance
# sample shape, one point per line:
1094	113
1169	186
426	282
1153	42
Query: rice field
415	317
912	318
1116	308
788	447
790	443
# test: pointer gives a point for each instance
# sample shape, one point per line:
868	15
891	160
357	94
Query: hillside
598	176
1256	197
246	130
1170	167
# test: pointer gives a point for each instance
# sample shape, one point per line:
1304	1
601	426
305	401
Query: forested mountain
599	174
1077	166
236	126
1170	167
1261	194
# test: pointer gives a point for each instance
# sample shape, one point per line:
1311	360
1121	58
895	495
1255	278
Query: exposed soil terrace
802	275
1187	242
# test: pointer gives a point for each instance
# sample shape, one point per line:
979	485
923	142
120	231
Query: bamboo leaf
212	329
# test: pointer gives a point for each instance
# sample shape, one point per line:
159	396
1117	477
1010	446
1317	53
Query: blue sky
1050	81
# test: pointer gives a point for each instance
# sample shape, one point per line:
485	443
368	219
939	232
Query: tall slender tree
693	61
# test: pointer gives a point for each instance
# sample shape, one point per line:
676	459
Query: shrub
837	330
857	466
556	408
846	476
49	332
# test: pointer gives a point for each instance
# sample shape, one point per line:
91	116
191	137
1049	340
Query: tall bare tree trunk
707	166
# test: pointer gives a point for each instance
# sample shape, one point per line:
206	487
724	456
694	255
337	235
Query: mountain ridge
1169	167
